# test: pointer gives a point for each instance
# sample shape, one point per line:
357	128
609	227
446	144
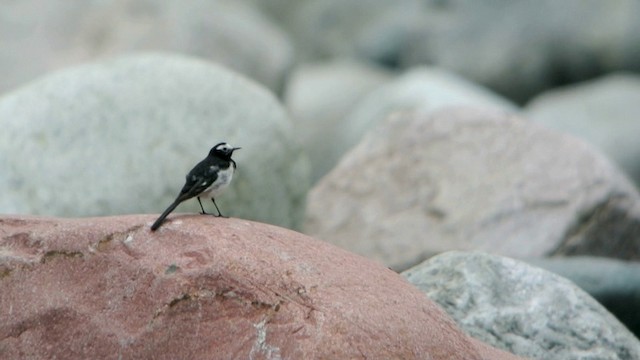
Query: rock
319	96
422	89
614	283
530	46
65	33
604	112
119	136
202	288
522	309
469	178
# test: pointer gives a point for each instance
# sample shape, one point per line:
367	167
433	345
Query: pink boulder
207	288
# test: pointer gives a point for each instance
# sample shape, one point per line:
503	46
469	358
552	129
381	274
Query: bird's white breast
224	178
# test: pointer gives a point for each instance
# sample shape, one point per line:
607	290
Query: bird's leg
203	212
216	205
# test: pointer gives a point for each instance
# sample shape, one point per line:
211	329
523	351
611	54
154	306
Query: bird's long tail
166	213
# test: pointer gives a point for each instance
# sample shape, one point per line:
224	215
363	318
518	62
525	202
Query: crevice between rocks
607	229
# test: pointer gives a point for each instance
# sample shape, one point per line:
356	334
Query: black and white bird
208	178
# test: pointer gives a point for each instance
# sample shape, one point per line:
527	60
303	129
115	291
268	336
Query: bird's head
223	150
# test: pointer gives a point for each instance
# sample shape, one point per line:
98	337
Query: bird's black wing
199	179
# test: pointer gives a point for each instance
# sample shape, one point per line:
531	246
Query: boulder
41	38
469	178
319	96
605	112
614	283
119	136
522	309
206	288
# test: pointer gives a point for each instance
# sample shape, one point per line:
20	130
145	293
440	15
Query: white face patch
225	147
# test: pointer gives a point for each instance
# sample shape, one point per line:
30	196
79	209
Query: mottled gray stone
614	283
522	309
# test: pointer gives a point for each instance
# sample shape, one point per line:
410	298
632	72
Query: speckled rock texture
206	288
523	309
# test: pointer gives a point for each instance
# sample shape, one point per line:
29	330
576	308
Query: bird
208	178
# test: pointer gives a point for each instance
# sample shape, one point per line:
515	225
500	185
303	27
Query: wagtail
208	178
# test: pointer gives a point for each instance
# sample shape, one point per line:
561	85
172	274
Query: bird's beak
234	149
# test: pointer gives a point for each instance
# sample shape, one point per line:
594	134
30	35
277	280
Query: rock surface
605	112
523	309
119	136
468	178
202	288
37	38
614	283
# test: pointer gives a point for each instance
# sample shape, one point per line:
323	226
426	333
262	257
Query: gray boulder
469	178
319	96
522	309
45	37
119	136
614	283
605	112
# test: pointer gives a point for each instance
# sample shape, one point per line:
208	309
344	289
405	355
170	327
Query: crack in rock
127	236
53	254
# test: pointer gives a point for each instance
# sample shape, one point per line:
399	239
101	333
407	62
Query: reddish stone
206	288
